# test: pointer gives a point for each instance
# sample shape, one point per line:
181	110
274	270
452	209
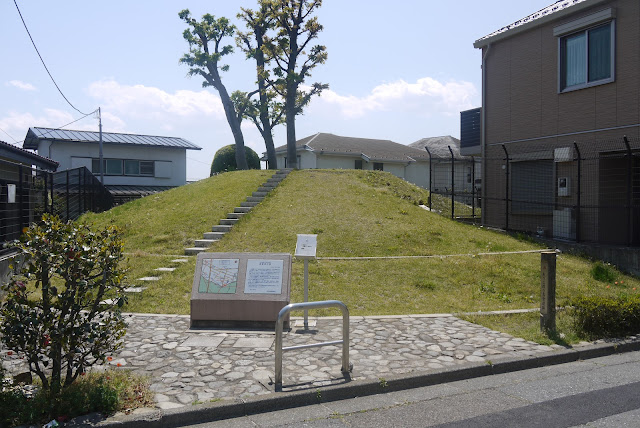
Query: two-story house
560	134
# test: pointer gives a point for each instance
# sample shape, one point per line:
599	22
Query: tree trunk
290	106
272	162
234	124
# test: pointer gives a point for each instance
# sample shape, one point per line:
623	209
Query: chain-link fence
581	192
455	187
26	193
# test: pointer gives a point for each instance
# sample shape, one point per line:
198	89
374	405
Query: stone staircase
217	232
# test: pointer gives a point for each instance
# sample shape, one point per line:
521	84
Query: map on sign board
219	276
264	276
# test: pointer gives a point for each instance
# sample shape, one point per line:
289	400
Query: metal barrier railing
346	366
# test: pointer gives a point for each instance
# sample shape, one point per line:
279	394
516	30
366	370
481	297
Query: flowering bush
56	314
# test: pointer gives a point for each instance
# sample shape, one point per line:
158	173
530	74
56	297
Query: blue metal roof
35	135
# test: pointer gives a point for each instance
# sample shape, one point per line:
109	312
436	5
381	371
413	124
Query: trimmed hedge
225	159
600	317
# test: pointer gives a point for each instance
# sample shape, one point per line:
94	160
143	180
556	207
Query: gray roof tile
371	149
35	135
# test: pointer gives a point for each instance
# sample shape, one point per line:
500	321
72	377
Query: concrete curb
359	388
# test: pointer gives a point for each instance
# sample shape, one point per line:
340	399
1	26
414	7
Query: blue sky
399	70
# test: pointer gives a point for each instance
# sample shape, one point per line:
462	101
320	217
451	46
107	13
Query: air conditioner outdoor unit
564	224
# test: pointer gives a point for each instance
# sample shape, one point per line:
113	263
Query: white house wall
71	155
418	174
337	162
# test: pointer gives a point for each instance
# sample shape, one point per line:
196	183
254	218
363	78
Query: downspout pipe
483	137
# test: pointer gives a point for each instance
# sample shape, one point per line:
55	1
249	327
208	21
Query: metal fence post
506	195
20	195
430	178
452	183
473	188
578	192
629	191
67	175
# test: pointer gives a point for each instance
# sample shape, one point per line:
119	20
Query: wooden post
548	291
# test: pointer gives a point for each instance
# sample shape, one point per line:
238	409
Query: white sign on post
306	246
305	250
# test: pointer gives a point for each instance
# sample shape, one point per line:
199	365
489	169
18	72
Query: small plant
603	272
105	392
318	394
383	383
424	285
56	314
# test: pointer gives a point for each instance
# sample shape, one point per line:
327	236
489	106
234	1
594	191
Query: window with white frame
129	167
586	51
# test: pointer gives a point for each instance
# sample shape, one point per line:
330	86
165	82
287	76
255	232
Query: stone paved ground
189	366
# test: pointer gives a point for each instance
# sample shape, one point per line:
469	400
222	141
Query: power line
60	127
45	65
10	136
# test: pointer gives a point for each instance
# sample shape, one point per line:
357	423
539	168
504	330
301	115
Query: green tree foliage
293	57
225	159
56	313
206	49
266	111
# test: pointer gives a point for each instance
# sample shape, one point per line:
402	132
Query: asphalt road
600	392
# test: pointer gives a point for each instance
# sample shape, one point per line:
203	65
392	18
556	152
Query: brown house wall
523	103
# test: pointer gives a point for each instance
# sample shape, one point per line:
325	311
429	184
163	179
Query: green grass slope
354	214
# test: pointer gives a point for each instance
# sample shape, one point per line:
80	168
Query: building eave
510	32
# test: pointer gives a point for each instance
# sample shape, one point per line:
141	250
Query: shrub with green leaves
603	272
598	317
225	159
62	309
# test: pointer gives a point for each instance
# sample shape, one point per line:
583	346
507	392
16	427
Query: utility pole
100	146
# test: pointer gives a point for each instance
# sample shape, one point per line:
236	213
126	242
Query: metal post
306	292
506	195
20	196
100	147
346	366
473	188
68	196
629	191
452	183
578	192
430	178
548	291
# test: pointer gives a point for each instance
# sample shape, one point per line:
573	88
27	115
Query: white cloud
145	102
427	96
21	85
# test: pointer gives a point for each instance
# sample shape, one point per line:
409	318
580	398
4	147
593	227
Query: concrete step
211	236
275	179
254	199
235	216
265	189
229	221
241	210
270	185
221	228
204	243
259	194
194	250
248	204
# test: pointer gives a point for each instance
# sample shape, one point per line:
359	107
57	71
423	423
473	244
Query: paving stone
249	342
187	366
201	340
